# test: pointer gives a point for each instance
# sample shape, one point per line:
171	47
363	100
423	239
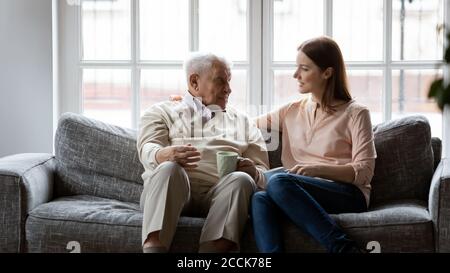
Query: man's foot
153	245
154	249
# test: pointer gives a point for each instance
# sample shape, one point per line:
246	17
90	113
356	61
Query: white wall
26	120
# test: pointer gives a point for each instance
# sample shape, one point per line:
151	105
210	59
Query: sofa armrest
439	205
26	181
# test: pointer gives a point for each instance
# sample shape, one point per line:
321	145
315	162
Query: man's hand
246	165
307	170
185	155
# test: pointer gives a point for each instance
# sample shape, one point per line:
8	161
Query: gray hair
199	62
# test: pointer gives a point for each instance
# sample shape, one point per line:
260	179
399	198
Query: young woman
328	150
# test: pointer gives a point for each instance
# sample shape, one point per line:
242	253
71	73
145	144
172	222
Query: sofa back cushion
405	162
94	158
436	143
274	151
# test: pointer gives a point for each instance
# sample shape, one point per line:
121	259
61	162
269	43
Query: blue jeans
306	202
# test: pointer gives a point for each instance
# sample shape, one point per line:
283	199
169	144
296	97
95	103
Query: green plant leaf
447	50
435	88
439	91
443	96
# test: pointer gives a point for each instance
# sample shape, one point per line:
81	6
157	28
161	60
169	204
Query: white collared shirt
195	103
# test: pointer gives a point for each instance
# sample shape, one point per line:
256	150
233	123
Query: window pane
164	27
238	96
106	29
107	95
358	29
223	28
294	22
366	87
159	85
417	38
285	88
410	96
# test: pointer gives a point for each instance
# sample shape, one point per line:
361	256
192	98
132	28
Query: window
130	52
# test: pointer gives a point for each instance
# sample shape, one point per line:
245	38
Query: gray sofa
88	193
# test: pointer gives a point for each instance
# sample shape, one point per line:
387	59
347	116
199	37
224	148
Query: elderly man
177	144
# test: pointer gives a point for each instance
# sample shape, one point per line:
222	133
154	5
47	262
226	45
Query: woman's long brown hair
325	53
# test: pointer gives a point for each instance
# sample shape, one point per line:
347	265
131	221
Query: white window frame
260	55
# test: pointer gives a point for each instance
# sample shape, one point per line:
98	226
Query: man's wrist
157	156
255	174
161	156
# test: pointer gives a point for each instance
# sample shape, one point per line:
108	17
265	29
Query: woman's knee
260	201
278	184
259	197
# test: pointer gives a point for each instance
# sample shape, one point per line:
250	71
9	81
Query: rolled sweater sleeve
363	148
152	136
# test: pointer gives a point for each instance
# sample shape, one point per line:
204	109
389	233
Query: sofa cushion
95	158
99	225
399	226
403	226
405	161
399	212
105	225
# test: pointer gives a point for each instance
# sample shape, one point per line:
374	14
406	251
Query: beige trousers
168	193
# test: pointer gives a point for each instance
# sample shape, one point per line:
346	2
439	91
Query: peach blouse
312	136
